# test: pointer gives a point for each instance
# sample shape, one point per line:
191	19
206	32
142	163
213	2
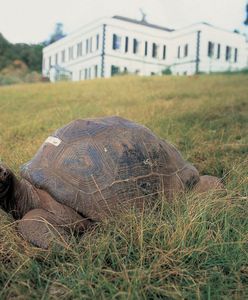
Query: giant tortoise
90	170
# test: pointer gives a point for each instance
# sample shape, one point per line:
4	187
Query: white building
122	45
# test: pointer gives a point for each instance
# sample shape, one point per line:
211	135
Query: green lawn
193	248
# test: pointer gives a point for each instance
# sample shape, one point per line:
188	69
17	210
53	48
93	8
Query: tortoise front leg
40	227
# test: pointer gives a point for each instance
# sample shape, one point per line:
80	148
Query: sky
33	21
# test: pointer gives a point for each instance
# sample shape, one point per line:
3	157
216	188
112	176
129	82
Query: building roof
143	23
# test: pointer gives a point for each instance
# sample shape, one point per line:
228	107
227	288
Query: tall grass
193	248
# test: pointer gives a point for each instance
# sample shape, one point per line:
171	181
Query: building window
79	49
87	46
116	42
70	53
178	52
85	74
218	52
125	71
56	58
236	55
96	71
135	46
210	49
164	52
63	56
228	53
146	48
186	50
91	45
114	70
126	44
43	64
50	61
154	50
97	41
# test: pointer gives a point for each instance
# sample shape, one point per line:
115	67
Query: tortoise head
5	186
191	181
188	177
185	177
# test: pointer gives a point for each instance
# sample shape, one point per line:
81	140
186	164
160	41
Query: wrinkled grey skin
41	217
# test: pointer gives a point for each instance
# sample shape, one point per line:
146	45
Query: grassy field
193	248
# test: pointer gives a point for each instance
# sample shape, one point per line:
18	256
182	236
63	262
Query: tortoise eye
191	182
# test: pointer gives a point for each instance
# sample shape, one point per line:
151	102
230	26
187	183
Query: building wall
142	62
180	52
76	58
183	52
225	39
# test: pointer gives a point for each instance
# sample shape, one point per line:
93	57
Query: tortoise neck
24	198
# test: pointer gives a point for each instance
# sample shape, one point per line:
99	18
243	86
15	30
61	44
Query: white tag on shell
53	140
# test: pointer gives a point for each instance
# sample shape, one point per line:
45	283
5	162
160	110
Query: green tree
31	55
6	52
57	34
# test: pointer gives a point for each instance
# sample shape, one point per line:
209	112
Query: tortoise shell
97	166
